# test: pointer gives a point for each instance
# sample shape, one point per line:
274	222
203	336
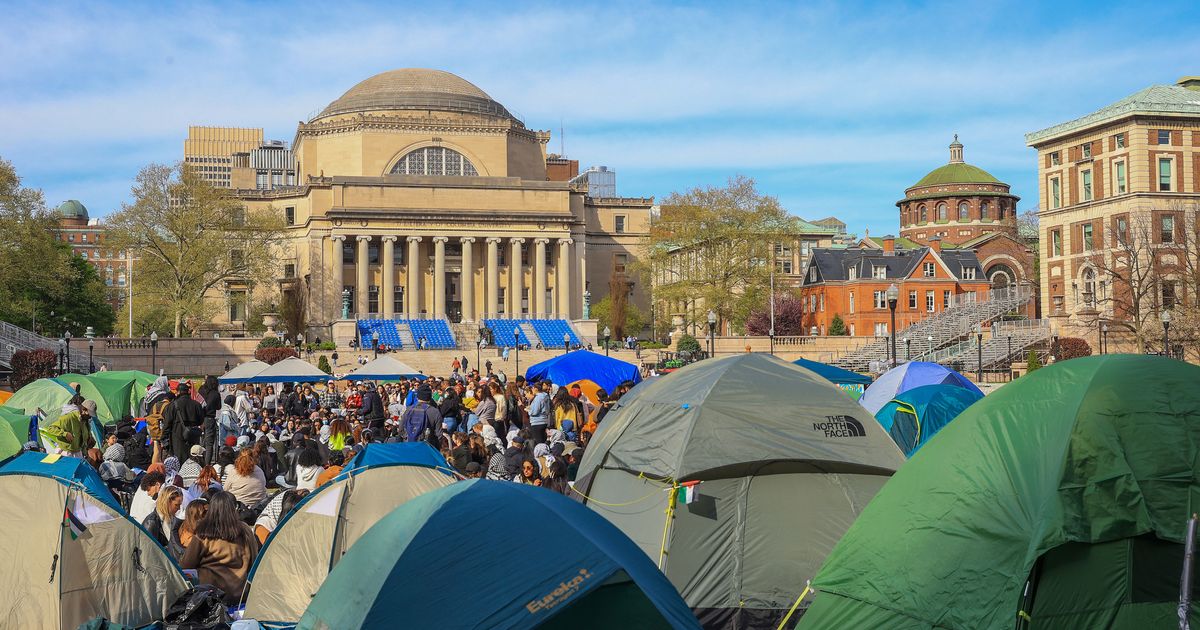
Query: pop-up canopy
290	370
243	372
384	368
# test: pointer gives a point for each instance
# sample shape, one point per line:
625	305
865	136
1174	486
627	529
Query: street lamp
566	342
300	344
1166	322
979	348
1009	355
154	352
67	336
930	339
375	342
517	345
91	337
1104	338
712	333
62	345
907	349
479	348
893	295
607	336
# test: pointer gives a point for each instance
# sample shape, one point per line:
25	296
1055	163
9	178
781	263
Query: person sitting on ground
308	468
460	455
143	503
264	455
208	478
185	528
474	471
246	481
161	522
276	509
191	468
556	478
529	474
223	548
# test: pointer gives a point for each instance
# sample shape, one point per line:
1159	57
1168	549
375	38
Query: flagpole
129	287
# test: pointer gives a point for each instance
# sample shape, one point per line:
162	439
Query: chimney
889	244
956	151
935	244
1191	83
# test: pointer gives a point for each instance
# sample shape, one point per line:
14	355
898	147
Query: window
983	210
84	254
1168	293
434	161
945	300
1120	168
1086	178
1056	243
237	306
787	266
238	217
1055	159
942	214
879	272
924	215
880	299
1164	136
805	248
852	273
1122	234
929	301
619	262
1087	150
236	258
71	238
260	181
1088	242
1055	193
373	299
619	226
397	299
912	300
1164	174
83	238
822	302
851	301
276	179
964	213
289	215
1119	139
121	279
1166	228
929	270
289	270
881	329
968	273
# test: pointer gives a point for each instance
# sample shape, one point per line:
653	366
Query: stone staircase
14	339
532	335
1008	342
406	336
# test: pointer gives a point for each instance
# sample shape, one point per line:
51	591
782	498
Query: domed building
417	196
72	210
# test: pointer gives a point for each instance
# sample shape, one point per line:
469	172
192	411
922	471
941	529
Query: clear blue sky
835	108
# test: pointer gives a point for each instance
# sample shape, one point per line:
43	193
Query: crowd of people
211	473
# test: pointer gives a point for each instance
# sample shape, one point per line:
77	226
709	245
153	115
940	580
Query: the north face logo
840	426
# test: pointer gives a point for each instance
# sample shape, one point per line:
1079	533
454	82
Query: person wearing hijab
541	453
492	441
171	467
497	469
158	391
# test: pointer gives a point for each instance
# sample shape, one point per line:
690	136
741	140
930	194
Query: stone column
515	278
538	306
339	273
581	264
796	262
387	288
362	277
467	286
563	281
491	299
439	276
412	298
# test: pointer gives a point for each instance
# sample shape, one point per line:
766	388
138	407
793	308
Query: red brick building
852	283
86	238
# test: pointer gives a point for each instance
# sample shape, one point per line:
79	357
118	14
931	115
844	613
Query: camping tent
47	394
851	382
312	538
784	460
116	394
585	572
914	417
19	422
70	552
1082	474
907	376
385	368
243	372
572	366
289	370
10	444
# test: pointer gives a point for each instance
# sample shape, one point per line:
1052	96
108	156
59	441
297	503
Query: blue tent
400	454
69	470
914	417
587	574
906	376
834	374
583	364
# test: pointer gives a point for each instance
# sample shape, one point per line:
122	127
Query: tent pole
1185	580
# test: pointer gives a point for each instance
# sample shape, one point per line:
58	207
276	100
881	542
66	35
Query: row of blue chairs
435	333
552	330
549	332
389	335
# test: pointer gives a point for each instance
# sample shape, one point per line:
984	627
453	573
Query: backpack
154	418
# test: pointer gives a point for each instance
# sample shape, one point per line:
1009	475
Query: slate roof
833	265
1156	99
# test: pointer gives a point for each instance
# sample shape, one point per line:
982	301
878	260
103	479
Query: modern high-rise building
210	151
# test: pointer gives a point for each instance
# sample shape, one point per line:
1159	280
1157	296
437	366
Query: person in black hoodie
137	453
180	416
372	411
451	409
210	391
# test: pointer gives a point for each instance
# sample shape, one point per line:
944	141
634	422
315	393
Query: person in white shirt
144	499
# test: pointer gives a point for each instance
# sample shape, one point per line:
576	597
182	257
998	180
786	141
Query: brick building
852	283
86	238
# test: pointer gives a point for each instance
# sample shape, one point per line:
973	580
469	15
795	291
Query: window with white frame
1055	193
851	301
880	299
1122	187
1085	179
852	273
435	161
912	300
929	270
945	300
879	272
968	273
929	303
964	212
1164	174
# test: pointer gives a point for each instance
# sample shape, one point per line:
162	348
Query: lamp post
300	344
979	348
1053	346
62	345
712	333
375	342
607	336
907	349
566	342
91	337
1104	338
1165	317
517	345
67	336
930	340
345	303
154	352
1009	355
893	295
478	350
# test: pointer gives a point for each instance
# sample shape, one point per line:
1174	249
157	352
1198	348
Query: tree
30	365
1033	362
1027	225
293	310
837	327
192	238
323	364
85	301
789	317
634	320
270	342
687	343
271	356
1072	348
714	246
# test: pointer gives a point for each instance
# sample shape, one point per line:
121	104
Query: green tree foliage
40	274
713	245
1033	362
837	327
634	322
270	342
323	364
687	343
190	238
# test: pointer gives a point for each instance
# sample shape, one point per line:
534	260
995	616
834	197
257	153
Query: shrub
270	342
1072	348
837	327
323	365
652	345
687	343
271	356
1033	362
30	365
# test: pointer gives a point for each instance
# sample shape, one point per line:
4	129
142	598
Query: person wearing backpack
210	391
423	421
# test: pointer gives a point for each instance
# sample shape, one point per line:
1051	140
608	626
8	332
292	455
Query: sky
833	107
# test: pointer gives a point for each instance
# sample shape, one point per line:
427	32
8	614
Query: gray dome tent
761	465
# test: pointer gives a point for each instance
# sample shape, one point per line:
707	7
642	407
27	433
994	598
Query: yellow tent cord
803	594
662	551
627	503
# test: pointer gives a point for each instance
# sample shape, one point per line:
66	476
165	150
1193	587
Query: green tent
47	394
10	444
1078	478
115	393
18	421
736	475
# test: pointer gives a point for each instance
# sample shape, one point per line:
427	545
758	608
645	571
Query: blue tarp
68	469
569	578
914	417
834	374
580	364
402	454
907	376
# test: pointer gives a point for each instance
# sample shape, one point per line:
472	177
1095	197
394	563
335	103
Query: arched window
1001	275
1089	288
964	214
924	214
434	161
941	212
1003	211
983	210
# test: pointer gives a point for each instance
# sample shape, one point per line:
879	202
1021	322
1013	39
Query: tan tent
310	540
68	552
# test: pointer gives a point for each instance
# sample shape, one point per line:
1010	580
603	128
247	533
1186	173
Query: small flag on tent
77	526
687	492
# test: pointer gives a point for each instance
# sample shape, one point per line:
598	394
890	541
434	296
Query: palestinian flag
76	525
686	492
